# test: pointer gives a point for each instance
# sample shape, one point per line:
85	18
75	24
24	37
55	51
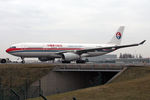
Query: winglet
142	42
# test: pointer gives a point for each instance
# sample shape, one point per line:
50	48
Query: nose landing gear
23	61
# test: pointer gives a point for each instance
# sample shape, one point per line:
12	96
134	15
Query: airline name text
54	45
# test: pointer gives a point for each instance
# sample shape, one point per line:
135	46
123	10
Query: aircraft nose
7	50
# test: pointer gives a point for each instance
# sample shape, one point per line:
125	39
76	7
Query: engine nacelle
45	58
70	56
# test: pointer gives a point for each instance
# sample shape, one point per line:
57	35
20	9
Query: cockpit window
13	47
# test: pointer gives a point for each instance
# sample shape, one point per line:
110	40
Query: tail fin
118	36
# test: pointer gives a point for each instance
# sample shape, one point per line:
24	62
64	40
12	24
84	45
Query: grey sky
74	21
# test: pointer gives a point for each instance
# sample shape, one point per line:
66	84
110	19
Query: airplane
68	51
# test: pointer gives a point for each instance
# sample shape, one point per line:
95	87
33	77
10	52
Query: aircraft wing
108	48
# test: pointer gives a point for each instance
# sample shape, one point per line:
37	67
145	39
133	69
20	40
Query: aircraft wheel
66	61
3	61
22	61
81	61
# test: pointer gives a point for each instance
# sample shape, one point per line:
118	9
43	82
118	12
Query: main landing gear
67	62
80	61
77	61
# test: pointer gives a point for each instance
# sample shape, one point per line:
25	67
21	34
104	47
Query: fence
20	93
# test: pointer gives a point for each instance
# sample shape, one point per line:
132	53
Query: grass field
15	75
133	84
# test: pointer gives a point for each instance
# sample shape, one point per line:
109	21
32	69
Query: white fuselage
53	49
68	51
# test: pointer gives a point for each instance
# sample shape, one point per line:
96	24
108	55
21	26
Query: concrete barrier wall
58	82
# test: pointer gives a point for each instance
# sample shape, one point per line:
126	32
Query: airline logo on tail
118	35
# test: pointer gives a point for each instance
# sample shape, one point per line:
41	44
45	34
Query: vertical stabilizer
117	36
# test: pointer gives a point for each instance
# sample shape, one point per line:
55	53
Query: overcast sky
74	21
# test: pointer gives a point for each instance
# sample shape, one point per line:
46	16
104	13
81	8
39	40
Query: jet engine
70	56
45	58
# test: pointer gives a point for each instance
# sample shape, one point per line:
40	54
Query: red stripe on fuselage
13	49
17	49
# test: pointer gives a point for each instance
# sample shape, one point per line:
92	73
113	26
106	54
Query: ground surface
133	84
16	75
